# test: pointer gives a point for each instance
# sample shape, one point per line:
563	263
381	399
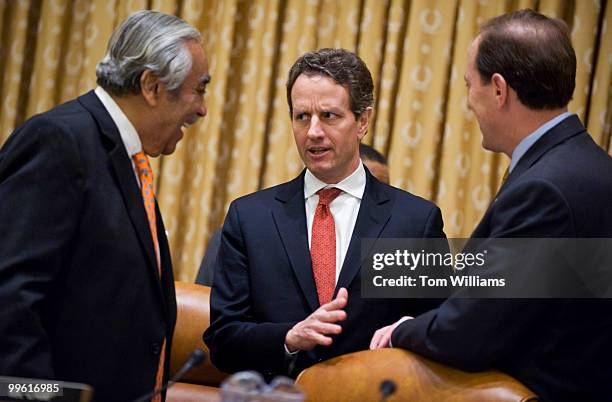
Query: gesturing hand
311	332
382	337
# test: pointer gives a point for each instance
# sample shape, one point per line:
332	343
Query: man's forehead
324	101
317	78
474	45
198	55
318	85
472	49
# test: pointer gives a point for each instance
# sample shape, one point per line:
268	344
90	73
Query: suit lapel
566	129
289	215
374	213
126	178
167	279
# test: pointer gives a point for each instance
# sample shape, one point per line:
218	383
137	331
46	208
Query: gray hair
147	40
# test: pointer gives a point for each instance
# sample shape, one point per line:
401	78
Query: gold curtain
416	50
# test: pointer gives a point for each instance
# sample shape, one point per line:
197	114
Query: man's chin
486	144
325	174
171	147
168	150
492	147
318	169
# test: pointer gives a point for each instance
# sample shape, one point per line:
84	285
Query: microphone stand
195	359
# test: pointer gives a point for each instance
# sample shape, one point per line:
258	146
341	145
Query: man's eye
300	116
328	115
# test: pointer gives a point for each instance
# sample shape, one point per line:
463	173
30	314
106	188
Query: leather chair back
357	377
193	317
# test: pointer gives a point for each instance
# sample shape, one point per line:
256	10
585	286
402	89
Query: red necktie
323	246
145	174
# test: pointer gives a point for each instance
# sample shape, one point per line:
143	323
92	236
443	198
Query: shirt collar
129	136
354	184
531	139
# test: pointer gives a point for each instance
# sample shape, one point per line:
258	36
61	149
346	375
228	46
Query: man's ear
501	89
150	87
364	122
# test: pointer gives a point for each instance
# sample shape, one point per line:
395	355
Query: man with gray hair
86	283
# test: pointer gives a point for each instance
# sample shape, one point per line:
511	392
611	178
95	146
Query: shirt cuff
288	353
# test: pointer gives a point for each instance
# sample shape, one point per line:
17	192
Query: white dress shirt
344	208
127	131
129	136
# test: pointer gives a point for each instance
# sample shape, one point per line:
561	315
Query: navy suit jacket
264	284
207	267
80	296
560	348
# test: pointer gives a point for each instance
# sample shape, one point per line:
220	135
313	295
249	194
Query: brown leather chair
193	317
357	377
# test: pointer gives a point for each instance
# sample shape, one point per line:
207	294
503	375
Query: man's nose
203	110
315	130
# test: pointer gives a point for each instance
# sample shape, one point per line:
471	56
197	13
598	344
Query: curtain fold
415	49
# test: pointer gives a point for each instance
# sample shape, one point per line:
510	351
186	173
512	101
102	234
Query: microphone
387	388
196	358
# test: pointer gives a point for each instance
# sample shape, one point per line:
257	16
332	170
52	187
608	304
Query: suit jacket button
155	348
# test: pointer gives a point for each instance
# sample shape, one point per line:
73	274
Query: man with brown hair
287	288
520	76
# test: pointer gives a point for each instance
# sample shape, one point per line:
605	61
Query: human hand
310	332
382	337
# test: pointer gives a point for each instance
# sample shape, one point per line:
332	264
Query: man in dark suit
86	284
521	76
287	286
373	160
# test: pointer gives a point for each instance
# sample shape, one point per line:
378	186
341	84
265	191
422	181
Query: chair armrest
182	392
357	376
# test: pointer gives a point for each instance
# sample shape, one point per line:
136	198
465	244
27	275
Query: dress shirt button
155	348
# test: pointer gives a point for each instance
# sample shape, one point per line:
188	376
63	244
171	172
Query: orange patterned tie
145	174
323	246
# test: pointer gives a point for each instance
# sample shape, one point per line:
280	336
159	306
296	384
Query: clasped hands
313	330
